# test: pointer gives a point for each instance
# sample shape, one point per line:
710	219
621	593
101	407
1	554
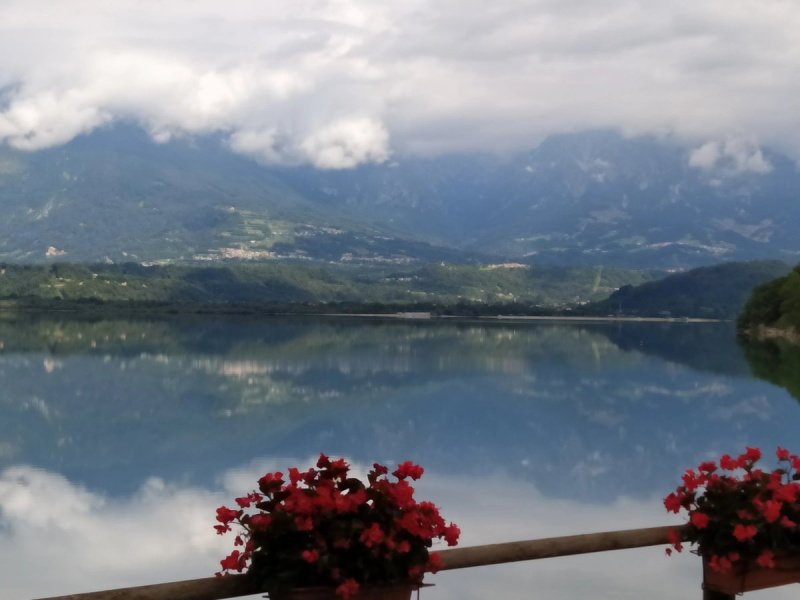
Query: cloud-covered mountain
586	198
337	83
593	197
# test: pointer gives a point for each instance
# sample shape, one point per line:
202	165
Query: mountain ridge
589	198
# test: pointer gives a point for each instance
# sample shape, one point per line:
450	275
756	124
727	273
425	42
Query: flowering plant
325	528
739	514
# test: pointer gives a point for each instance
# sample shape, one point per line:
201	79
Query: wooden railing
234	586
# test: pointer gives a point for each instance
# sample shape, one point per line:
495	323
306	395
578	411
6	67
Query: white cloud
734	155
347	143
338	82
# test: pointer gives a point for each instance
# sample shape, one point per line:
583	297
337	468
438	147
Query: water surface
119	438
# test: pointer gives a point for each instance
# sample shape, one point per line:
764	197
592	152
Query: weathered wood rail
455	558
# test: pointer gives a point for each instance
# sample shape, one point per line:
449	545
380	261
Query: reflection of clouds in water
754	406
84	541
164	532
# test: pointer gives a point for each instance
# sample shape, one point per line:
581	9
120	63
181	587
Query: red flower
766	559
782	453
744	532
787	523
772	511
786	493
675	537
752	454
259	521
338	516
699	520
408	469
338	468
347	588
271	482
451	534
372	536
721	564
691	480
727	463
225	515
673	503
435	563
233	562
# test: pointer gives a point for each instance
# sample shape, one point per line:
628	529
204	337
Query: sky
338	83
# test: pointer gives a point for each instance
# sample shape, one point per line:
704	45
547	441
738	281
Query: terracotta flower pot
399	591
749	579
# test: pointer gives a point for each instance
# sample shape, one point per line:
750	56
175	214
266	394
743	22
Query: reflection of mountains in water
559	404
776	361
378	344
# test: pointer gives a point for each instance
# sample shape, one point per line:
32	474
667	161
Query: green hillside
775	305
717	292
260	284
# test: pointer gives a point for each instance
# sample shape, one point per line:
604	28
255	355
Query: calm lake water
118	439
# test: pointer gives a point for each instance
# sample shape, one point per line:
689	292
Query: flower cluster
323	527
739	514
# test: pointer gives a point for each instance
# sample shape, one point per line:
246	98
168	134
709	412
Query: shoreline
568	318
764	333
111	311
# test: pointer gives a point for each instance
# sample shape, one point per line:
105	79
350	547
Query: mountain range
588	198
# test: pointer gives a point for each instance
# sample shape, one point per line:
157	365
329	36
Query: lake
119	438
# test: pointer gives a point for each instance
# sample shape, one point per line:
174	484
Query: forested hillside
717	292
249	284
775	305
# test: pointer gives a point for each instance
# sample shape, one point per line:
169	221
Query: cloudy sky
337	83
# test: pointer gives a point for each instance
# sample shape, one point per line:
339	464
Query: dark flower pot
751	578
398	591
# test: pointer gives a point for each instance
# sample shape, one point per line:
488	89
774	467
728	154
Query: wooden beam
492	554
233	586
210	588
